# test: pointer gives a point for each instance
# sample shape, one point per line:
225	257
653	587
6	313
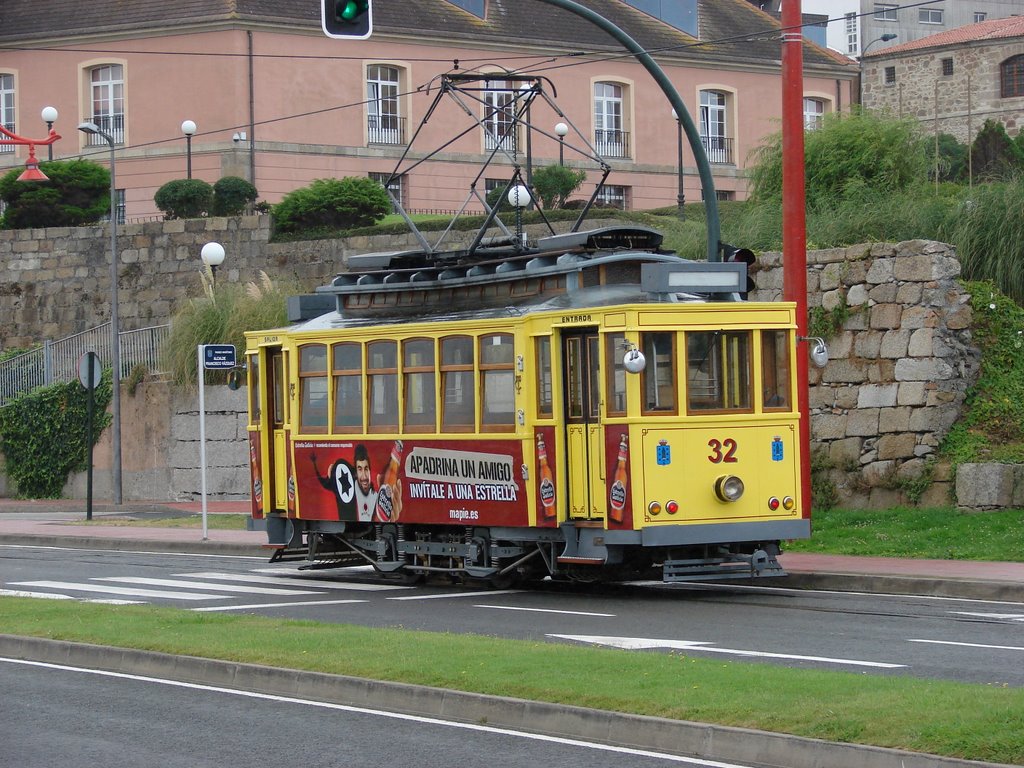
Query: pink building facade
277	102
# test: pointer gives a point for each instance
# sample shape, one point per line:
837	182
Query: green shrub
994	155
554	183
231	194
184	198
988	232
333	204
43	435
77	193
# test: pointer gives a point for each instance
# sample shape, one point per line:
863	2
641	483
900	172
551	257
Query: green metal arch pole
692	134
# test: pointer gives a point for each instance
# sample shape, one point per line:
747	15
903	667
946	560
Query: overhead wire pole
794	218
692	134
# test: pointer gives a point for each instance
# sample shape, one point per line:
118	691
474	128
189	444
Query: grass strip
939	533
975	722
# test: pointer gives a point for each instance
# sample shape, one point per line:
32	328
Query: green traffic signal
351	19
351	10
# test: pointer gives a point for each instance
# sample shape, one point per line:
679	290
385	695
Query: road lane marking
640	643
296	604
546	610
206	585
58	596
294	581
477	727
1008	616
968	645
457	594
72	587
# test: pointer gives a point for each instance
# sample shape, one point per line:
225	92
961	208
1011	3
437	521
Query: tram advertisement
450	482
620	510
256	475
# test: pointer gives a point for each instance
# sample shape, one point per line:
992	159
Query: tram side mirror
236	378
634	360
818	352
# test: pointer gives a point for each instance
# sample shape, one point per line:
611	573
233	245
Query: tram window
313	387
574	377
545	395
347	370
658	380
497	378
775	369
459	393
615	350
419	391
277	365
255	387
382	376
718	370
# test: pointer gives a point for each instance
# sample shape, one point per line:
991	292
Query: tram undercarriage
505	556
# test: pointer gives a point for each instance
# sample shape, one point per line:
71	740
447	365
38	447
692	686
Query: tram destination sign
695	277
218	356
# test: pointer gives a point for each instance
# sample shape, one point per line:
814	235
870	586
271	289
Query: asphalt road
59	715
953	639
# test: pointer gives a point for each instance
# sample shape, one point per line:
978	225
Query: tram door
585	467
277	392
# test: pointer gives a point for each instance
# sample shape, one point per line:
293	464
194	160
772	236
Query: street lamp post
212	255
680	191
860	63
49	115
562	130
189	129
115	340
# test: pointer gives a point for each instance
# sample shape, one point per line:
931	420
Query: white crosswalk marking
73	587
58	596
294	581
206	585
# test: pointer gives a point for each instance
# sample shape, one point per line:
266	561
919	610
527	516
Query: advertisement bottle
257	482
547	483
385	511
617	497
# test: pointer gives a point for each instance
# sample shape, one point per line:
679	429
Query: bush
994	155
77	193
333	204
554	183
231	194
184	198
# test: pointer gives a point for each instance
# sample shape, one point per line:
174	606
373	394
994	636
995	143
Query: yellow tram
589	406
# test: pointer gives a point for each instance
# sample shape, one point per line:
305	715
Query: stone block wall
897	323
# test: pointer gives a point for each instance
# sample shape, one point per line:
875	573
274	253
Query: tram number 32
722	451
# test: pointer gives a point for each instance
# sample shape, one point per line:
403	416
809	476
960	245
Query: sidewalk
62	522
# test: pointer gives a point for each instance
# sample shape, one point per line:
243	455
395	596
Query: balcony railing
113	125
385	129
509	140
719	149
58	360
8	147
611	143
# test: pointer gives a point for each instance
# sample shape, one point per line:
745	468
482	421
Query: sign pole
201	372
89	377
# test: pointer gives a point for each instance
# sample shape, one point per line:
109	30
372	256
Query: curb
699	740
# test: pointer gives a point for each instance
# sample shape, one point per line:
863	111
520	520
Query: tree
333	204
994	155
554	183
952	158
77	193
848	152
231	194
184	198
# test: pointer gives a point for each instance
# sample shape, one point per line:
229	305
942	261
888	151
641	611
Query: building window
885	12
394	185
713	127
929	15
612	196
890	75
947	67
499	116
610	137
384	122
979	16
1011	76
852	46
814	113
120	207
7	107
107	95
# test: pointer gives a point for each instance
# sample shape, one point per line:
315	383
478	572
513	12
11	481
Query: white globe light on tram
519	196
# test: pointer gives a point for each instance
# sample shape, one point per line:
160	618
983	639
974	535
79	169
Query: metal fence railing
58	360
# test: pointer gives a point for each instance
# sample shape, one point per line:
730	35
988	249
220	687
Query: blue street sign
218	356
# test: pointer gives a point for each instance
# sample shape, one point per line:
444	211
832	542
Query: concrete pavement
62	523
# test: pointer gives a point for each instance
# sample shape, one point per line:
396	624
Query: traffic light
741	256
347	18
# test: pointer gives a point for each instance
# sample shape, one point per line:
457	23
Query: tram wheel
504	580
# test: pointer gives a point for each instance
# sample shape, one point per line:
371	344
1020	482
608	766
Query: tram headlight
728	488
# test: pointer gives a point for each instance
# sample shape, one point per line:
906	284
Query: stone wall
897	323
